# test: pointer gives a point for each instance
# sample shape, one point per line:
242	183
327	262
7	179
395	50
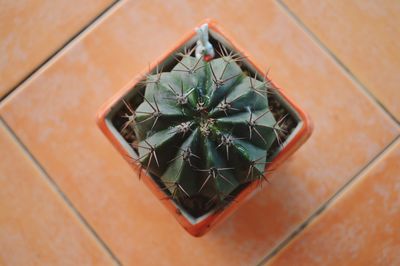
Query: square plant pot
184	176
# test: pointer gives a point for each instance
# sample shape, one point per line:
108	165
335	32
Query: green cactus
204	129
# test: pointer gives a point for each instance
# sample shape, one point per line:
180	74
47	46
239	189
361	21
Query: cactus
204	129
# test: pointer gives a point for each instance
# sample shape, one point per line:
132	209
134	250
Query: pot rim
200	225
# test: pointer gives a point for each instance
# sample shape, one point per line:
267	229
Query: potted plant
203	132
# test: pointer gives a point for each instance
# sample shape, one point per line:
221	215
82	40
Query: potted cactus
203	128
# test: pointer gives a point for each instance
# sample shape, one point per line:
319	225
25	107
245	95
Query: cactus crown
204	129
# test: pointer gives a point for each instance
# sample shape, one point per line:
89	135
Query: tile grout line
329	202
64	197
341	65
58	50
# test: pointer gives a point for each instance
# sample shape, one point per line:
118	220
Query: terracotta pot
201	225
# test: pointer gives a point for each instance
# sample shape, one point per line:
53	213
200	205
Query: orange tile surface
364	35
36	226
30	31
360	228
54	115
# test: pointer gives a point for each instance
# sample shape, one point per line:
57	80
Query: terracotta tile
364	36
361	227
54	115
30	31
36	226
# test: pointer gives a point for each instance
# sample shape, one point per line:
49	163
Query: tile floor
68	198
